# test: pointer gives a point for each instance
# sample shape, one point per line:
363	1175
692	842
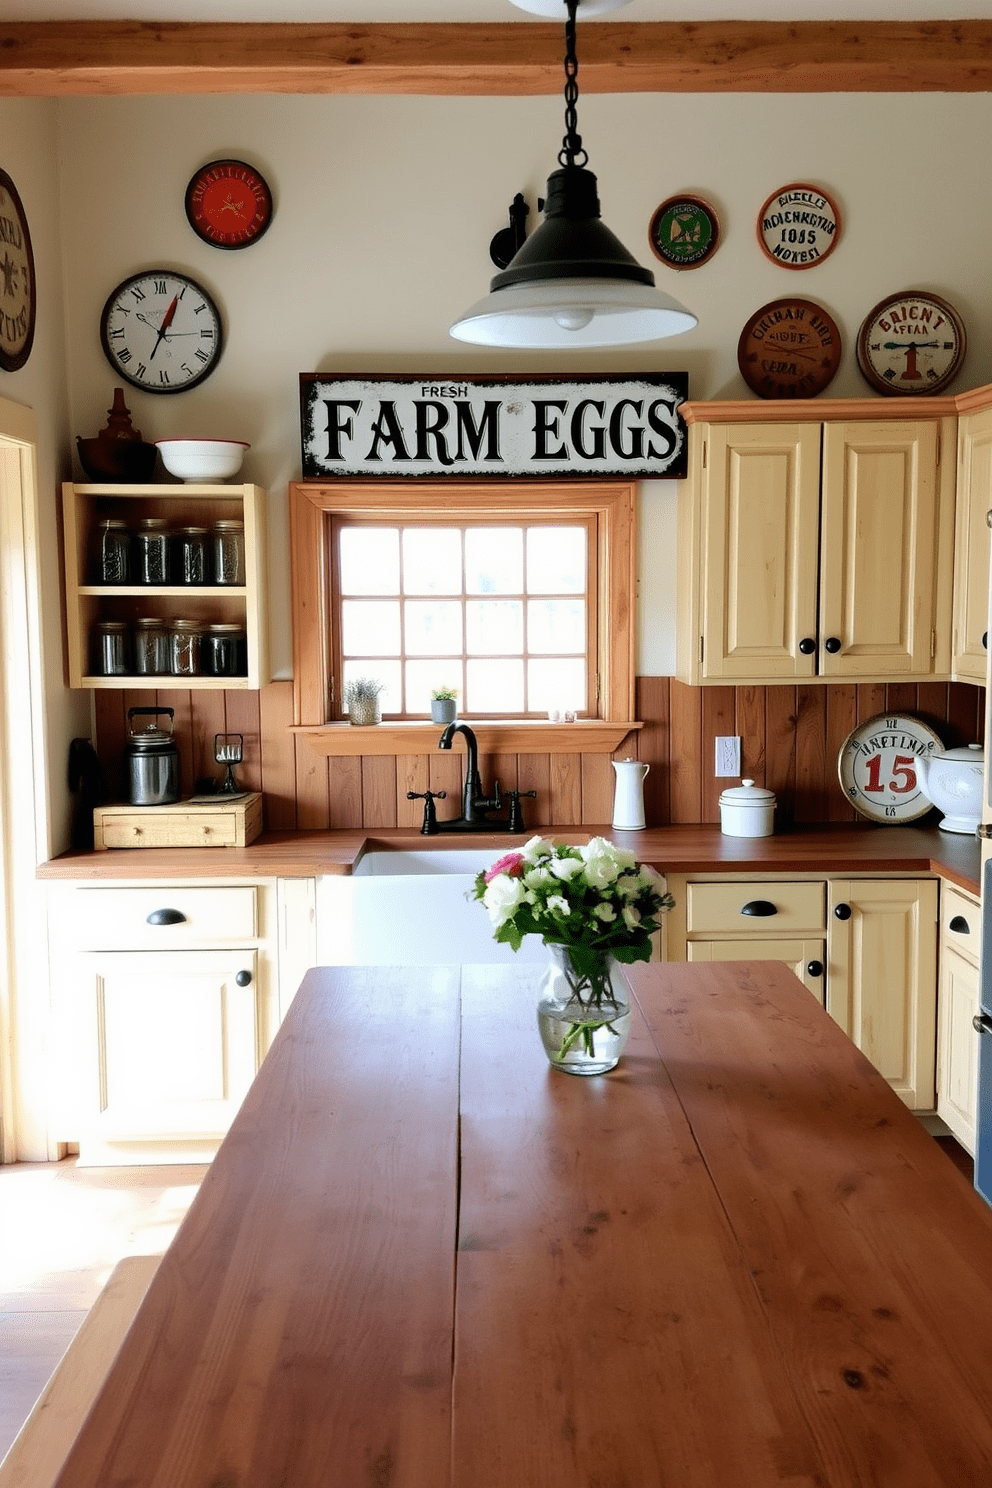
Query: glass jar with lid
111	648
227	541
152	544
189	556
185	640
113	554
226	650
152	651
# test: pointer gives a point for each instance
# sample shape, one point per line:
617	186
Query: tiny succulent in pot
361	698
444	704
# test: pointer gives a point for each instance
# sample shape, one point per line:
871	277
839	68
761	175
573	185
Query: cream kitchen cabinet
958	1002
972	542
815	550
867	948
164	1000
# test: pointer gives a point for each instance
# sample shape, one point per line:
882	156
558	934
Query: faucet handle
515	822
430	812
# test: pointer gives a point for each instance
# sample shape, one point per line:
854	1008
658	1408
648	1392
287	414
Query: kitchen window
519	594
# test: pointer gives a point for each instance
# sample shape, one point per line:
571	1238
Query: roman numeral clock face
161	331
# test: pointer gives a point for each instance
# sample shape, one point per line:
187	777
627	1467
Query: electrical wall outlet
728	754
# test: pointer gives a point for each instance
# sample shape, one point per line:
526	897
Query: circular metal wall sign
684	232
910	344
878	767
798	226
789	348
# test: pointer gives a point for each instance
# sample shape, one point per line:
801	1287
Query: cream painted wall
385	208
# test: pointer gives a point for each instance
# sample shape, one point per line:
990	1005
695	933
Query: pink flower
512	864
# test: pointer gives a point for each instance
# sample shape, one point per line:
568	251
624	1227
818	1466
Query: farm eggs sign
430	427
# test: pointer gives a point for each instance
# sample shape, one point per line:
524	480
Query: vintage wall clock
798	226
911	343
161	331
684	232
878	770
228	204
789	349
18	300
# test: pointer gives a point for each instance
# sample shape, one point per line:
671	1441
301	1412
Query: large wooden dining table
423	1258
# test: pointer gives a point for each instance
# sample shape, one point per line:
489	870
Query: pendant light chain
571	152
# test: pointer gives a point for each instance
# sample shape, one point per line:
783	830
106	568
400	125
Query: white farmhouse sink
411	909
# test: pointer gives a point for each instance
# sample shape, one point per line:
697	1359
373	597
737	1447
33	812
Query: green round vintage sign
684	232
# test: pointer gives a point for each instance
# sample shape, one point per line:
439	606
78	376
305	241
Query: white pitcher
628	801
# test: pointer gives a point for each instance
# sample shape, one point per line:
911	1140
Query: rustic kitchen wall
791	739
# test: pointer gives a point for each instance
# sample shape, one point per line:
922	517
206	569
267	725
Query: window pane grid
503	614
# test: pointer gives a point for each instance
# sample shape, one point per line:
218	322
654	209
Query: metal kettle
151	761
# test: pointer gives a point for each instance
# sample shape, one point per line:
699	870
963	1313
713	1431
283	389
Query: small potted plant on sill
444	704
361	698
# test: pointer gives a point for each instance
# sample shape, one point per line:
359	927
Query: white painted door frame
24	803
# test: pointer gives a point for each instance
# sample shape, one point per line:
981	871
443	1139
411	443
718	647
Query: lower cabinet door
172	1045
957	1045
882	978
807	958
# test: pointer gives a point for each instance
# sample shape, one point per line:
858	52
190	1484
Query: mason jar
228	545
153	551
185	639
152	654
226	650
189	556
113	551
111	648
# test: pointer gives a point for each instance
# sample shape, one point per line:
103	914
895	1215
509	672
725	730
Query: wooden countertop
683	849
423	1258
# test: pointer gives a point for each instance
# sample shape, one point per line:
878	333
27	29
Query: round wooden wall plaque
789	348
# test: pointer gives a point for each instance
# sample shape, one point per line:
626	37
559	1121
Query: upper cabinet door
971	547
880	572
759	552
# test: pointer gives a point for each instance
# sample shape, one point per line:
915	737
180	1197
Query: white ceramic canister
628	799
747	810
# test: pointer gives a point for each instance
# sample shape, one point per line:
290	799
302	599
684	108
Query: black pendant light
572	284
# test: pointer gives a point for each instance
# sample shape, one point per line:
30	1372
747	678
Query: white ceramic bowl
202	459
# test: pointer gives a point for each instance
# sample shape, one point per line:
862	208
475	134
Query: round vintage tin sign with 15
18	297
789	348
911	343
684	232
798	226
878	769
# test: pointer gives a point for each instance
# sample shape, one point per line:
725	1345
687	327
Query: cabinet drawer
960	922
789	908
109	919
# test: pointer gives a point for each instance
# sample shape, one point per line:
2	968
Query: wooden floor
62	1230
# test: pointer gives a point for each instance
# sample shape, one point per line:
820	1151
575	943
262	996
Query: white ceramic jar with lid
747	810
952	780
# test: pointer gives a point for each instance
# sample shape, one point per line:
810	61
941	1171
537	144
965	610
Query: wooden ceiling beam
55	59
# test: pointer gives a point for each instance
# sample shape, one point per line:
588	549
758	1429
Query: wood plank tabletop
735	1260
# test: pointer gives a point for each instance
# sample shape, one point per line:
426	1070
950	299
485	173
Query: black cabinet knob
814	968
959	925
759	908
807	645
243	978
832	644
985	640
165	917
843	912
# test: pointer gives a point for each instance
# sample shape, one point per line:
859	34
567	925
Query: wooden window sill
509	736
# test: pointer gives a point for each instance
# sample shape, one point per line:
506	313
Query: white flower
601	865
566	868
502	897
536	848
631	917
604	912
538	877
558	905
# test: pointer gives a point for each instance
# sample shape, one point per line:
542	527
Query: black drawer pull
843	912
760	908
243	978
814	968
166	917
960	925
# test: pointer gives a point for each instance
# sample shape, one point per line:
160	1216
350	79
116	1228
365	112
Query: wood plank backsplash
791	737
